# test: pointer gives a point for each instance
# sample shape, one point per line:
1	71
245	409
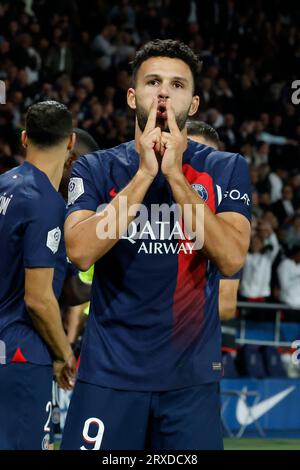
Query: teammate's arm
44	311
228	291
74	321
83	227
75	292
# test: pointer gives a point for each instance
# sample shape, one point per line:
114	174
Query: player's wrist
65	356
145	175
175	176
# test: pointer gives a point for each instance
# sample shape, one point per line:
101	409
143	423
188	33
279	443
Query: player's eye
178	85
153	82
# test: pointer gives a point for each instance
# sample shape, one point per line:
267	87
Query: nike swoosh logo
113	192
242	410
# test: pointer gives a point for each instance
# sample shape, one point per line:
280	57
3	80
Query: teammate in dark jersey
151	357
75	292
31	226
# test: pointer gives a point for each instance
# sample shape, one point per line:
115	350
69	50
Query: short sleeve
237	197
82	191
235	277
43	231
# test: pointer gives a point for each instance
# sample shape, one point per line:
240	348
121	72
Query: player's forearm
46	318
75	320
75	292
92	238
221	241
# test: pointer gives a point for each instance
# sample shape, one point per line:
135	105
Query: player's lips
161	112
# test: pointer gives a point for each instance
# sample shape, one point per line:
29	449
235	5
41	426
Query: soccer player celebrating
32	214
151	357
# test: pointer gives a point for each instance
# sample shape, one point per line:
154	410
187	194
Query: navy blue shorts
25	406
108	419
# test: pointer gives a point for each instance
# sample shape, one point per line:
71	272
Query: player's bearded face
142	116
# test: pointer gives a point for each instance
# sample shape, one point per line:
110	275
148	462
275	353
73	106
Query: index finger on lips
171	118
152	116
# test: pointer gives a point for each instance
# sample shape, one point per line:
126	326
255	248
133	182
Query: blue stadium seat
230	370
272	361
250	362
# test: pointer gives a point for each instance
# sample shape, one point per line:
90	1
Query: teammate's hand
150	144
65	372
173	144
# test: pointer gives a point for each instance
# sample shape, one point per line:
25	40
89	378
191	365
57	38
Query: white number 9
96	440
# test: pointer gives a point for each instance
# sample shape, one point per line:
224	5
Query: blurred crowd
79	52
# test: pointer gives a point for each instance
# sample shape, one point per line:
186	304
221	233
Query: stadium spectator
261	154
292	234
289	278
276	179
257	272
284	209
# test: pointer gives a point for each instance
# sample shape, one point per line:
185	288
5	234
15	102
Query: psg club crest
201	190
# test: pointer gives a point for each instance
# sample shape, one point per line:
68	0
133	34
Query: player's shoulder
105	158
36	196
22	181
38	188
214	155
32	194
13	176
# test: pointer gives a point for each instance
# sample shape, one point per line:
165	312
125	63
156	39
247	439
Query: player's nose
163	92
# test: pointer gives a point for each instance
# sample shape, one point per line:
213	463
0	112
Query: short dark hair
294	250
84	140
167	48
48	123
202	128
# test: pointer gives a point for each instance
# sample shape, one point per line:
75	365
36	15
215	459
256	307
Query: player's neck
50	163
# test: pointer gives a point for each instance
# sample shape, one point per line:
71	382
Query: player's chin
163	124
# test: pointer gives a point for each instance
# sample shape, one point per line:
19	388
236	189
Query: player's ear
70	161
131	98
194	105
24	139
72	140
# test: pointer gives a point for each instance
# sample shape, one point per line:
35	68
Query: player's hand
150	144
173	144
65	372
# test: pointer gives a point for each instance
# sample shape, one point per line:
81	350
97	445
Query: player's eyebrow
154	75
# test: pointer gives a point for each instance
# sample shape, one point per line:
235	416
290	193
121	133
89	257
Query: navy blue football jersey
32	214
154	323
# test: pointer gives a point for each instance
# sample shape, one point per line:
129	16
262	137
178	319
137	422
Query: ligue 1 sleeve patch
75	189
53	239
